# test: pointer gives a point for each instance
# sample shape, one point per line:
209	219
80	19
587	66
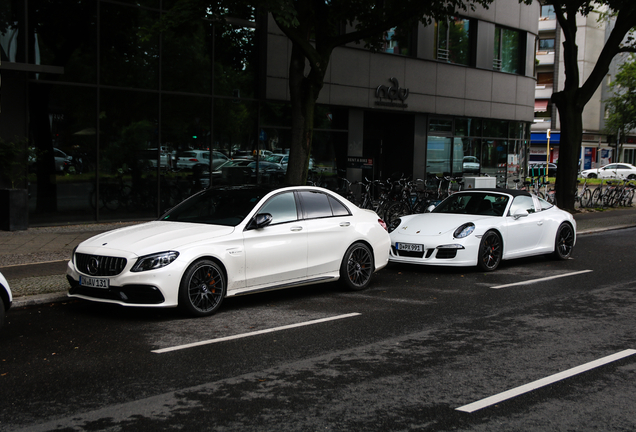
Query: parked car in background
470	164
6	298
614	170
481	228
537	169
62	161
283	159
199	159
232	241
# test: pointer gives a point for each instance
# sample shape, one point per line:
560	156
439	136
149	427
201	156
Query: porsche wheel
357	267
564	242
202	288
490	251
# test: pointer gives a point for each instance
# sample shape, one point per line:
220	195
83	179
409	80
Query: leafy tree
621	106
572	99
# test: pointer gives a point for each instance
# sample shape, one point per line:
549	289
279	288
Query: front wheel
586	199
202	288
564	242
490	252
357	267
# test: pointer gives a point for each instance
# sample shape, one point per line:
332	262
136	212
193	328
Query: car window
544	205
282	207
484	204
522	202
338	208
315	205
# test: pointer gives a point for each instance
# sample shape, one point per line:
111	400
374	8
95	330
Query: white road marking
541	279
544	382
259	332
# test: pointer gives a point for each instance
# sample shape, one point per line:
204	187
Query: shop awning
541	105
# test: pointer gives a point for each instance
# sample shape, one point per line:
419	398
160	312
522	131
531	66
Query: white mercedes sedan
232	241
481	228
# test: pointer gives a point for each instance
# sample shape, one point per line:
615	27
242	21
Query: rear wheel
564	242
586	199
357	267
490	251
202	288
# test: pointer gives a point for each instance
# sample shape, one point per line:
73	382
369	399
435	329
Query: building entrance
389	140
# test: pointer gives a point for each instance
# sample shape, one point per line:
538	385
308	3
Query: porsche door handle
296	228
540	223
345	224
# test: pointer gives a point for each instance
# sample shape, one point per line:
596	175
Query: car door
523	234
276	253
330	231
609	171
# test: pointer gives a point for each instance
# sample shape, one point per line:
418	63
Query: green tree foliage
621	16
621	107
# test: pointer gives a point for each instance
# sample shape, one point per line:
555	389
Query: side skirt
285	285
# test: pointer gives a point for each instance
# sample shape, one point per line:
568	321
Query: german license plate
410	247
94	282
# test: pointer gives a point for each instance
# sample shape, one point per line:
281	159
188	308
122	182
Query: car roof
513	192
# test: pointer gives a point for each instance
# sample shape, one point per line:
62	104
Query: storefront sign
393	93
359	162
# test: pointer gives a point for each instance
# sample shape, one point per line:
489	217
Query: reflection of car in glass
5	298
615	170
482	227
199	159
232	241
283	159
536	169
470	164
62	161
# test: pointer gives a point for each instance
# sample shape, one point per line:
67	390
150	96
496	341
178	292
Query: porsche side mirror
519	213
430	208
261	220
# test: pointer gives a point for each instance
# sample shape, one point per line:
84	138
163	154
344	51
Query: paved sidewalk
44	252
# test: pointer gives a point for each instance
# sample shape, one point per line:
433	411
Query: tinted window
282	208
315	205
338	208
217	207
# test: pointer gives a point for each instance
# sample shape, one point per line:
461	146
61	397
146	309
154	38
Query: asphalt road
413	352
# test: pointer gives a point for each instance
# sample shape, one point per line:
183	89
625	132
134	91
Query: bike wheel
586	199
394	211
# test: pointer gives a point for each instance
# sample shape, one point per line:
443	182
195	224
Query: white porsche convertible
232	241
483	227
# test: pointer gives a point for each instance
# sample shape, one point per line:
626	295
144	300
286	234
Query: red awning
541	105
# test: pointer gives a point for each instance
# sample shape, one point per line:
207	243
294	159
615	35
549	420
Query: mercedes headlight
154	261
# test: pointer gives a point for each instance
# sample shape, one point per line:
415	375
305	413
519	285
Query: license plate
410	247
94	282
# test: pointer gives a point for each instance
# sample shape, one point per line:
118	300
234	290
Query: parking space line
259	332
541	279
544	382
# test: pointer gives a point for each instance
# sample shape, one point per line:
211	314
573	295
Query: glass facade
452	40
509	53
125	122
473	147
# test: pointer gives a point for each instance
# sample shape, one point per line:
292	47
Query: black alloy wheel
357	267
490	252
564	242
202	288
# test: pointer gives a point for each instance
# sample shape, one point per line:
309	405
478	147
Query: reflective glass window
508	50
452	40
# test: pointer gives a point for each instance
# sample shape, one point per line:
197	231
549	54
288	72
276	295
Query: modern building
87	79
597	149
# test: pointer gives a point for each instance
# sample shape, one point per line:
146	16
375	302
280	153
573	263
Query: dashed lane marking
259	332
528	282
492	400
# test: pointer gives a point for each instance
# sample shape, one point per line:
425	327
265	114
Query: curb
40	299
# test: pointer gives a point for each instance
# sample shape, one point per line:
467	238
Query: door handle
296	228
345	224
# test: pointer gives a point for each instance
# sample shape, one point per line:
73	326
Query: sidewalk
44	252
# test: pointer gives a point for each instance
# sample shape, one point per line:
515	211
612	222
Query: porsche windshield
476	203
226	207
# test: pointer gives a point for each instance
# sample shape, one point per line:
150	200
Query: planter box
14	209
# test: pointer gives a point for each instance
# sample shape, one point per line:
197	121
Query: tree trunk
303	93
571	115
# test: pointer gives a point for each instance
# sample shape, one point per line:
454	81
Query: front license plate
94	282
410	247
